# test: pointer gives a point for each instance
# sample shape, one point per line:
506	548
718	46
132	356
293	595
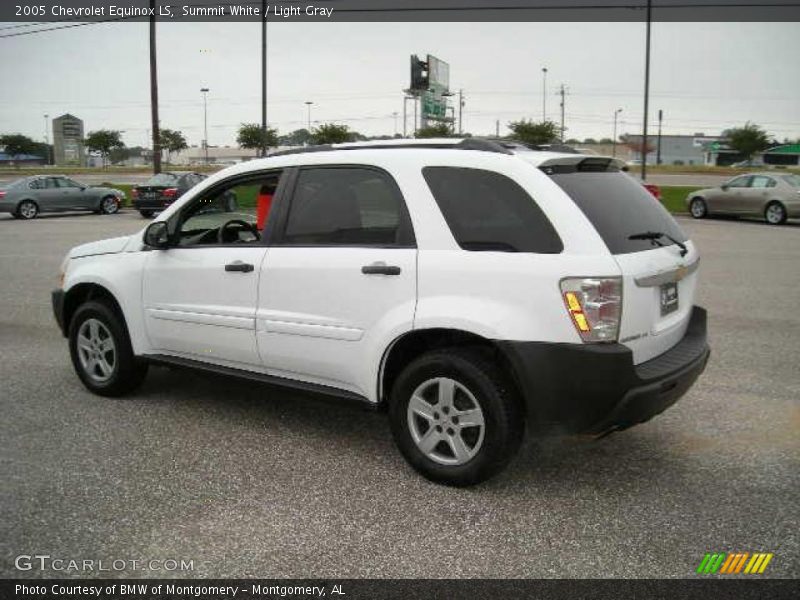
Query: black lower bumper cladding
571	388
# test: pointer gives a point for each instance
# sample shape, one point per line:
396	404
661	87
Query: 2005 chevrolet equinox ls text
476	289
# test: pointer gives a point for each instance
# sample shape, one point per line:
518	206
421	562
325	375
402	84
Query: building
196	155
68	141
21	160
786	155
675	149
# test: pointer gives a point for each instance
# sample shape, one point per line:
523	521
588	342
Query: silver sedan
27	197
773	197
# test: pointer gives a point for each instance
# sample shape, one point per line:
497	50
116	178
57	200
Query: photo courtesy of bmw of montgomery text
479	290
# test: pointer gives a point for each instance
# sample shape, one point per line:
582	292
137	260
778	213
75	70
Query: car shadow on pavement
626	458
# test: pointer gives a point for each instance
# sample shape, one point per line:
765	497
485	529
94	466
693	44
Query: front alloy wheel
97	351
697	208
109	205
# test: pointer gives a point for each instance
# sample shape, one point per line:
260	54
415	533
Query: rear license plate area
669	298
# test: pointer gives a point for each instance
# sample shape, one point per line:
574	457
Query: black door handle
239	266
380	270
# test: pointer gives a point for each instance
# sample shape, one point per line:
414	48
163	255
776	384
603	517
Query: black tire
498	400
27	209
108	208
147	214
698	208
775	213
128	372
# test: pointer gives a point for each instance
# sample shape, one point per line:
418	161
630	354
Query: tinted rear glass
619	206
162	179
793	180
11	184
487	211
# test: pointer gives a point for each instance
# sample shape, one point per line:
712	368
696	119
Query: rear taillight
170	192
135	193
653	189
595	306
2	193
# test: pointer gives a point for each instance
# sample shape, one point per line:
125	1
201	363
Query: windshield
619	207
162	179
793	180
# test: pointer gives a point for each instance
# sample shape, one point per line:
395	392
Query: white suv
476	289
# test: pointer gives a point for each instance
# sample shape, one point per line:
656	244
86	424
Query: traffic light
419	74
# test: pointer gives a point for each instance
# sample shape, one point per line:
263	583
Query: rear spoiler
575	164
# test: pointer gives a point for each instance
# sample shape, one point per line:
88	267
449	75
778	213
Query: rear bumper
155	204
596	388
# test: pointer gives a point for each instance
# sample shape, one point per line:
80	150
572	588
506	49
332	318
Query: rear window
793	180
162	179
11	184
619	206
487	211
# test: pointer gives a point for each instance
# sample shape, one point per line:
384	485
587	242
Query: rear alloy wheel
454	417
27	209
109	205
147	214
775	213
697	208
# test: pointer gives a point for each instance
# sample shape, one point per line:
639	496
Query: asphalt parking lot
256	482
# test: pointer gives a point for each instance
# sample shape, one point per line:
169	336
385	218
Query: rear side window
347	206
619	206
487	211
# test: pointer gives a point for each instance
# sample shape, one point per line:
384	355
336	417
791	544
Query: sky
706	77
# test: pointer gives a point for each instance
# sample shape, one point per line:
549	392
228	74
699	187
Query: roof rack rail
464	144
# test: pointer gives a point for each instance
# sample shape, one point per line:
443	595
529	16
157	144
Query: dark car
27	197
161	190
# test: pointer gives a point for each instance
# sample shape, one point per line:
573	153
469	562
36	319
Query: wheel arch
84	292
408	346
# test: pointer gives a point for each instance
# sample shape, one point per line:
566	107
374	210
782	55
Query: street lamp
308	104
544	94
205	91
616	114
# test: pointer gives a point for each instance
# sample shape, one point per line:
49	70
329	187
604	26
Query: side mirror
157	235
724	187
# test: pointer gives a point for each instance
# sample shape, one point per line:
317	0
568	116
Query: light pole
406	98
646	89
46	139
616	114
544	94
394	114
308	104
205	91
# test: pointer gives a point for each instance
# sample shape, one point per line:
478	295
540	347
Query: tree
590	141
16	143
331	133
299	137
118	155
748	140
637	146
434	131
529	132
606	141
252	137
103	141
172	141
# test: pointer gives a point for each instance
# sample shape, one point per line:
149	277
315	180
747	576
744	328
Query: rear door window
487	211
619	206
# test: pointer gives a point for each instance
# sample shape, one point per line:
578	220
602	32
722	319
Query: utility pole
205	91
308	104
461	103
46	139
646	90
416	102
544	94
154	92
264	78
394	114
658	144
563	93
497	128
616	114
